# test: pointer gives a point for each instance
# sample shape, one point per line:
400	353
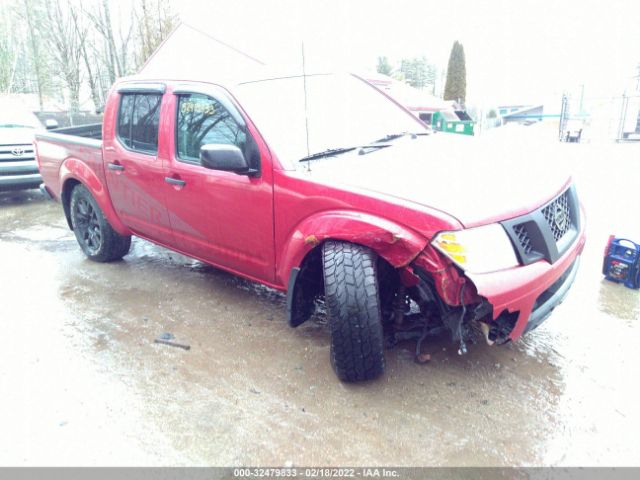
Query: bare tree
92	70
80	45
155	22
32	13
67	43
8	56
116	51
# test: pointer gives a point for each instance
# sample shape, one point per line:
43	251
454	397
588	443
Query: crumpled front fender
398	245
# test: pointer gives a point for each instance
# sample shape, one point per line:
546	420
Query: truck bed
73	144
93	130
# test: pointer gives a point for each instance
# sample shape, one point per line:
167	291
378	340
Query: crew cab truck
322	187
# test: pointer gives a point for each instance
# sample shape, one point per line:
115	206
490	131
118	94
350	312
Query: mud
83	383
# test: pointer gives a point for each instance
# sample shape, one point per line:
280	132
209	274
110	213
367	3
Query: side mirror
51	124
227	158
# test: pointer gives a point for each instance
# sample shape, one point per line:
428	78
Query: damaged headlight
478	250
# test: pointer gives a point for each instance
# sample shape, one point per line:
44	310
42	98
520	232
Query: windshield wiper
362	150
394	136
371	148
327	153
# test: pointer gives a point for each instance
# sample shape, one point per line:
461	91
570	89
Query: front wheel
98	240
353	307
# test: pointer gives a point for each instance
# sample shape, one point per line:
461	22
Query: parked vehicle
18	167
323	187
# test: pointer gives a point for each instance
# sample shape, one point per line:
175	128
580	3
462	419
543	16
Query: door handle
116	167
175	181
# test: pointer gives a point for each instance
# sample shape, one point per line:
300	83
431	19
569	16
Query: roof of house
221	60
522	110
412	98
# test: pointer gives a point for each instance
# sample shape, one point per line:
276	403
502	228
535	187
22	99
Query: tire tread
353	307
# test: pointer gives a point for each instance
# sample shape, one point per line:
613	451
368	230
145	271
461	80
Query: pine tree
384	66
456	85
418	72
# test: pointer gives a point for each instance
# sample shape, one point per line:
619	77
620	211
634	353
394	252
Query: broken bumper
555	295
531	292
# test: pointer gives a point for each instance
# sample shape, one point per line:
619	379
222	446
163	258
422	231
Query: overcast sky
516	50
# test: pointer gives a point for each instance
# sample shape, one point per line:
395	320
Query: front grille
523	237
548	232
16	153
558	216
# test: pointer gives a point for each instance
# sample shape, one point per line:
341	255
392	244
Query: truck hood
16	136
469	179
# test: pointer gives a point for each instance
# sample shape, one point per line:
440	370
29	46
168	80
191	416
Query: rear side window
139	120
124	119
202	120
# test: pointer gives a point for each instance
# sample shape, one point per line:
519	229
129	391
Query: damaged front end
499	306
434	298
494	282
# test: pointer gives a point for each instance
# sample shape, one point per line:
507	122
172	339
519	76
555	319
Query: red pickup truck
323	187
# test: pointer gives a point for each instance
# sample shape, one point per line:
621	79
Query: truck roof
203	75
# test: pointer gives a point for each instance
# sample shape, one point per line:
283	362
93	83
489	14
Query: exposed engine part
422	357
480	324
418	312
485	328
412	328
463	346
502	327
400	305
482	310
389	285
425	296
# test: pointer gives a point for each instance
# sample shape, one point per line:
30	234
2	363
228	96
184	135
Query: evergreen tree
418	72
384	67
456	85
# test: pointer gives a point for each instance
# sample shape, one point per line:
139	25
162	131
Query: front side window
139	120
201	121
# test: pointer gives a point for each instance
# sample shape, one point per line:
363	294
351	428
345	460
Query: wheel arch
65	198
302	265
74	172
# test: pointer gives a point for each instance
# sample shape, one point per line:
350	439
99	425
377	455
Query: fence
614	118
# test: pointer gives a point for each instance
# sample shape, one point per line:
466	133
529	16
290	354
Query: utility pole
623	116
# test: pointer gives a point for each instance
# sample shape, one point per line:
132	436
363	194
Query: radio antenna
306	118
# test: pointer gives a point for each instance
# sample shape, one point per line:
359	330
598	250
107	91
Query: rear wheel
353	307
98	240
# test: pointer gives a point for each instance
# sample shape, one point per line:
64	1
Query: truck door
134	171
220	217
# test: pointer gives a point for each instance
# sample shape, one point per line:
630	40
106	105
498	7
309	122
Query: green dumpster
452	122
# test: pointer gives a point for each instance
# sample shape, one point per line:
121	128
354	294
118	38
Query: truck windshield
342	112
11	117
